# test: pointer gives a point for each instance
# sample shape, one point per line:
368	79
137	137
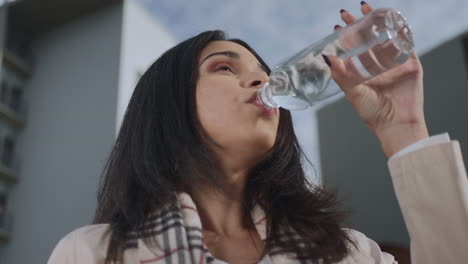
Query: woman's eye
224	67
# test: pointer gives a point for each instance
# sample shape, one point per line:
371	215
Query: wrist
396	138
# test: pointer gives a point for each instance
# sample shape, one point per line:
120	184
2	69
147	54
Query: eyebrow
230	54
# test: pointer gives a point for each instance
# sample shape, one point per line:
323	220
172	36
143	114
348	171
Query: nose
253	80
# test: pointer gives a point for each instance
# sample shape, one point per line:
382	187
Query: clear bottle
371	45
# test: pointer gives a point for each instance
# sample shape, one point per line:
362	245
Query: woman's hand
391	104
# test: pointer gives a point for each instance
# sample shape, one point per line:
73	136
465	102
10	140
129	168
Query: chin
264	141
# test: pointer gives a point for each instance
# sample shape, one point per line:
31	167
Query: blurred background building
66	69
69	67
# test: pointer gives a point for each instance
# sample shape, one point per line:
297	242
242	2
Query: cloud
277	29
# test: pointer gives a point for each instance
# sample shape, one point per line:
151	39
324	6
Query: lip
254	100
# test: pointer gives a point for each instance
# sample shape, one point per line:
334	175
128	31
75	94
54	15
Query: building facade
68	69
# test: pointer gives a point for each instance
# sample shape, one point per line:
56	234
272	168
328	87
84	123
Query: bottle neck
265	97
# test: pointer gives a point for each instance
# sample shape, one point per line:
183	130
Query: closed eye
224	67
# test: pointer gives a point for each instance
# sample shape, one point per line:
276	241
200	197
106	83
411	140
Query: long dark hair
161	150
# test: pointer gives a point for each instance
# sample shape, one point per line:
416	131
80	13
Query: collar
177	234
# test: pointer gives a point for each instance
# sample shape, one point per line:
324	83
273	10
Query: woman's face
229	77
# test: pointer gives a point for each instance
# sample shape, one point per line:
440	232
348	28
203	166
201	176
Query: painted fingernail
337	27
342	10
325	58
363	3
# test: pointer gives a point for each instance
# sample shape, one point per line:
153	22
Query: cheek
229	121
210	96
216	106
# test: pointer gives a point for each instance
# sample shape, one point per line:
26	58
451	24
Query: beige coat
431	186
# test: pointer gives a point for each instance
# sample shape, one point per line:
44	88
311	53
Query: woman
201	173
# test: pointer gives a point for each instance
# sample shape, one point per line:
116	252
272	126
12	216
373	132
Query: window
8	152
3	210
11	89
3	91
15	99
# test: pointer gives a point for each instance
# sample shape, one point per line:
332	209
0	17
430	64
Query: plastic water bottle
370	46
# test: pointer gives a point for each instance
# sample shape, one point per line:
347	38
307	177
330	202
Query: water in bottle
369	46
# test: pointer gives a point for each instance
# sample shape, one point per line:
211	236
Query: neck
222	211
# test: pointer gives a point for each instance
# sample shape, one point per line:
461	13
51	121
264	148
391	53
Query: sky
278	29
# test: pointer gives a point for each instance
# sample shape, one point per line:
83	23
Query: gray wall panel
69	133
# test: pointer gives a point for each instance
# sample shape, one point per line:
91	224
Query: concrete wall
68	135
353	161
144	39
307	131
3	19
446	78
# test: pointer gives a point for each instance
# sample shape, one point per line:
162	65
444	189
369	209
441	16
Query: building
67	70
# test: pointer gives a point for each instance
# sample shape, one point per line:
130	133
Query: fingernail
342	10
325	58
337	27
363	3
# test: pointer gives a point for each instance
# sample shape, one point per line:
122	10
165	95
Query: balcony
12	109
5	218
8	172
16	118
16	62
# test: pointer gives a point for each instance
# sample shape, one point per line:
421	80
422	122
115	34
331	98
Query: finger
366	8
350	66
410	67
343	72
347	17
370	63
378	58
354	73
366	59
386	54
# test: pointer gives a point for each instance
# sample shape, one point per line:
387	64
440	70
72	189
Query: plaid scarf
177	232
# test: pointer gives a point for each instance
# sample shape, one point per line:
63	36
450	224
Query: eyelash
224	67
